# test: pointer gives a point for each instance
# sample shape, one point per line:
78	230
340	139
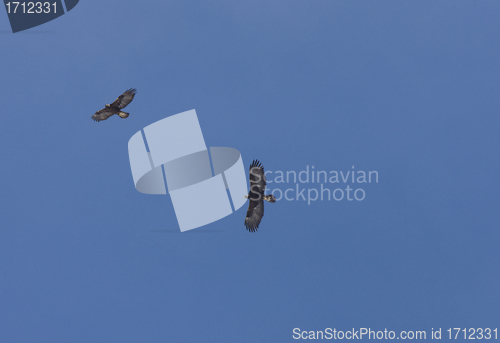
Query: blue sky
409	89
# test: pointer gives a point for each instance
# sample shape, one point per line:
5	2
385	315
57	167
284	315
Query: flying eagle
116	107
256	196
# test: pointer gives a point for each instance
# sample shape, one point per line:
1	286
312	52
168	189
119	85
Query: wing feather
123	100
103	114
255	213
257	178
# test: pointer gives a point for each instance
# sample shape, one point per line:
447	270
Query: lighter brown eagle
116	107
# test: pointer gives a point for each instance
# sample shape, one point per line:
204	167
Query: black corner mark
24	15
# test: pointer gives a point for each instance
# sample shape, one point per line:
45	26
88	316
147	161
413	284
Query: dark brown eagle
116	107
256	196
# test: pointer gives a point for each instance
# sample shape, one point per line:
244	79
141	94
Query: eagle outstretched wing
255	210
255	213
103	114
257	178
123	100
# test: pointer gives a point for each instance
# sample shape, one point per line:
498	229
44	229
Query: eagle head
270	198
